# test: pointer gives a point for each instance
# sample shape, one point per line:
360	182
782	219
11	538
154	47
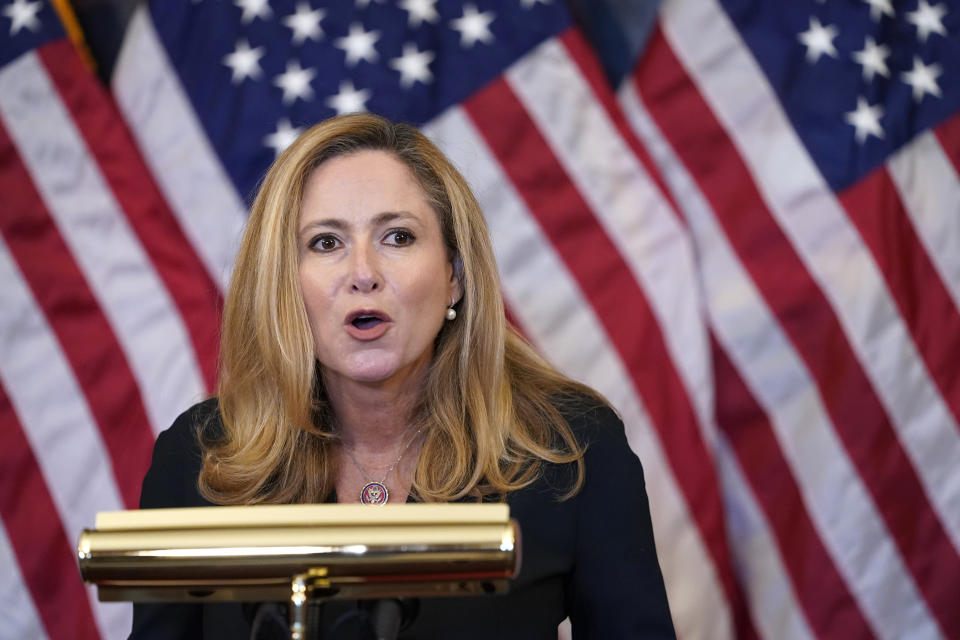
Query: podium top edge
302	515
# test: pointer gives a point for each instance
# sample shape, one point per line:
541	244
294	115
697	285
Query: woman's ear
456	279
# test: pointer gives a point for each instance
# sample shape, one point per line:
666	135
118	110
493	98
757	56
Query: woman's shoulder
183	437
597	426
589	417
171	480
202	418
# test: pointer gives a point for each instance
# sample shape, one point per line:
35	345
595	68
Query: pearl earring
451	312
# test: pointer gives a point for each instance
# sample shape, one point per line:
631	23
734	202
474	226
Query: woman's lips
367	324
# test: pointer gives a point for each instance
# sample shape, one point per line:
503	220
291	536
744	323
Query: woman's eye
400	237
325	243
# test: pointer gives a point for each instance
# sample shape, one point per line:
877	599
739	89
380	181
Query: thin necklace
376	492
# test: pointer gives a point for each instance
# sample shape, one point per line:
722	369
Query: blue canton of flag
858	79
270	69
31	23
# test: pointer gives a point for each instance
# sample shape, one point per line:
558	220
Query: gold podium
299	553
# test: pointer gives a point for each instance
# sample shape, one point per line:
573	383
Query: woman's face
374	272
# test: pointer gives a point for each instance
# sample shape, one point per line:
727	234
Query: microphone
389	615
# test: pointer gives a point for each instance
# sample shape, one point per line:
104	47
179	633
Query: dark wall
103	23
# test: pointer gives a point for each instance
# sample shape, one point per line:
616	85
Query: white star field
820	43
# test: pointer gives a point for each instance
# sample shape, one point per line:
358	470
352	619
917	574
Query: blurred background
739	220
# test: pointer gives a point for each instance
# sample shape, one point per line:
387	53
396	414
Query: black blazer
590	557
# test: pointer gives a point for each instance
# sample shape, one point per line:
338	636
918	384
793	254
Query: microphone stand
386	615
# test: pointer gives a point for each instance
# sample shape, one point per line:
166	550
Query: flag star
928	19
244	61
413	65
529	3
363	4
818	40
873	58
358	45
420	11
878	8
473	26
22	13
283	137
305	23
295	82
253	9
866	120
923	79
349	99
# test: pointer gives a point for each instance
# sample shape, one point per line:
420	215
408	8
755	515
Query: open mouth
364	322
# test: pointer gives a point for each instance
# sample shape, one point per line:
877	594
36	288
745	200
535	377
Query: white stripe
838	503
930	190
825	240
773	602
627	204
549	305
175	146
756	553
140	311
55	417
18	617
114	619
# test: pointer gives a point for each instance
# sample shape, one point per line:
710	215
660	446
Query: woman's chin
372	376
379	370
374	368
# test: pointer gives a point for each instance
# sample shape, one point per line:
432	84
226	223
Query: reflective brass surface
253	553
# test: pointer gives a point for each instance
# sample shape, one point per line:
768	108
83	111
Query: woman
365	358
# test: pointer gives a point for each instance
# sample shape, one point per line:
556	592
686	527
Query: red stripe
584	55
948	133
808	320
924	302
110	143
81	328
830	609
608	285
36	534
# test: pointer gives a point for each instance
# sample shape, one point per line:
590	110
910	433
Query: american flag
748	240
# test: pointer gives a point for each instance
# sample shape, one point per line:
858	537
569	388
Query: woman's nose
365	275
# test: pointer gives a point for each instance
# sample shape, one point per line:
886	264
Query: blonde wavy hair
491	406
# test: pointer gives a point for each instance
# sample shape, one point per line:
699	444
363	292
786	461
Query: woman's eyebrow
334	223
390	216
342	225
